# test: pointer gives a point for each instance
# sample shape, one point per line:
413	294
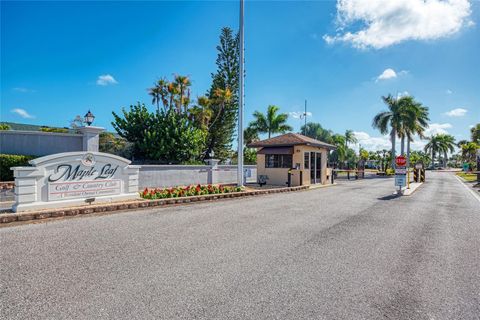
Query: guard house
302	158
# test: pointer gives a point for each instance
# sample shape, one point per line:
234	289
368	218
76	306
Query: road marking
476	196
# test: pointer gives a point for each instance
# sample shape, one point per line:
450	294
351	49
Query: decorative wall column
91	137
212	171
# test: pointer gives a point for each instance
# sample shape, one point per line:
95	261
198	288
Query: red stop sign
401	161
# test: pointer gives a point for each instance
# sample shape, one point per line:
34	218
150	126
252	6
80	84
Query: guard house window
278	161
306	160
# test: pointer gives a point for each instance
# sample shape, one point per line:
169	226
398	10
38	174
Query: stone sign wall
74	178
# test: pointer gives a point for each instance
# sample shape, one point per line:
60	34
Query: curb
7	218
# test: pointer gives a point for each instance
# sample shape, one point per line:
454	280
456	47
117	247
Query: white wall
181	175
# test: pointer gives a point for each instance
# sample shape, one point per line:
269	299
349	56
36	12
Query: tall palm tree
390	121
416	121
270	123
339	141
182	83
447	144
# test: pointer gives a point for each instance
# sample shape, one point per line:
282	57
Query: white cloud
105	80
458	112
299	114
448	91
471	126
378	23
389	73
437	128
22	113
372	143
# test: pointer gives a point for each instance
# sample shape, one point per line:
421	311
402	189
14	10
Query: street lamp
89	117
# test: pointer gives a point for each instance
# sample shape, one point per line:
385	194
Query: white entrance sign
71	178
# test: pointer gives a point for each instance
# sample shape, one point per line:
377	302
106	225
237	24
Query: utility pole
305	115
240	175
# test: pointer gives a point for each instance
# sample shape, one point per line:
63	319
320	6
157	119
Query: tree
364	155
164	136
433	146
220	134
270	123
403	118
250	135
475	133
316	131
447	144
389	121
349	138
339	155
415	123
469	152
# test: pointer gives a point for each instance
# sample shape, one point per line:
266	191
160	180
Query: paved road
345	252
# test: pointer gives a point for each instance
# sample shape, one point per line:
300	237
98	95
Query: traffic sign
401	170
401	161
400	180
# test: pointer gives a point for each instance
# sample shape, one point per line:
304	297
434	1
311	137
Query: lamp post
88	118
240	179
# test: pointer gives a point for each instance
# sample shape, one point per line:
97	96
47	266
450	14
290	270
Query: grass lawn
470	177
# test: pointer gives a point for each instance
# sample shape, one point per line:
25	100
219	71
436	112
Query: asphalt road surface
350	251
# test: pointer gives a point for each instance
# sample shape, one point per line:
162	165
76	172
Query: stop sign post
400	172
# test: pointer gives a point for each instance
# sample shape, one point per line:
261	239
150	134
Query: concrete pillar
212	171
91	137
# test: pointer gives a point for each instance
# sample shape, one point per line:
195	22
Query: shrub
56	130
9	160
176	192
390	171
4	126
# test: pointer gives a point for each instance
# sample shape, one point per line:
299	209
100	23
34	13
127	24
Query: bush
4	126
390	172
177	192
9	160
56	130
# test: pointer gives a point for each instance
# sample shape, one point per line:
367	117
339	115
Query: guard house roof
289	140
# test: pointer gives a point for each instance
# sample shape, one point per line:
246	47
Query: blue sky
54	54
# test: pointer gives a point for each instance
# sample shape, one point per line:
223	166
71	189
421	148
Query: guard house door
315	167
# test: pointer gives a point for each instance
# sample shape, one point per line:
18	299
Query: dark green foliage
163	136
221	132
4	126
10	160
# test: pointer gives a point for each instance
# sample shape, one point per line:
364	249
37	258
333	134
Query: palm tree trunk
445	159
402	147
408	153
393	135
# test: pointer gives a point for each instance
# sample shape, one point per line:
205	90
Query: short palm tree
433	146
349	138
447	144
270	123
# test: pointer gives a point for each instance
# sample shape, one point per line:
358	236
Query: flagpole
240	175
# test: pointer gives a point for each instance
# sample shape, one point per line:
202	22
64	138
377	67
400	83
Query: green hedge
10	160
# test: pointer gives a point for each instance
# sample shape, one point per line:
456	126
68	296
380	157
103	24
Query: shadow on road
390	197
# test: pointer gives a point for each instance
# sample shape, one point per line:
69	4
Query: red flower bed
176	192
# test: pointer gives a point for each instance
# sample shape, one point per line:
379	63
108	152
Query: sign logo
88	160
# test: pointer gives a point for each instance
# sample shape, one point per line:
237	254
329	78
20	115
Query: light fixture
89	117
